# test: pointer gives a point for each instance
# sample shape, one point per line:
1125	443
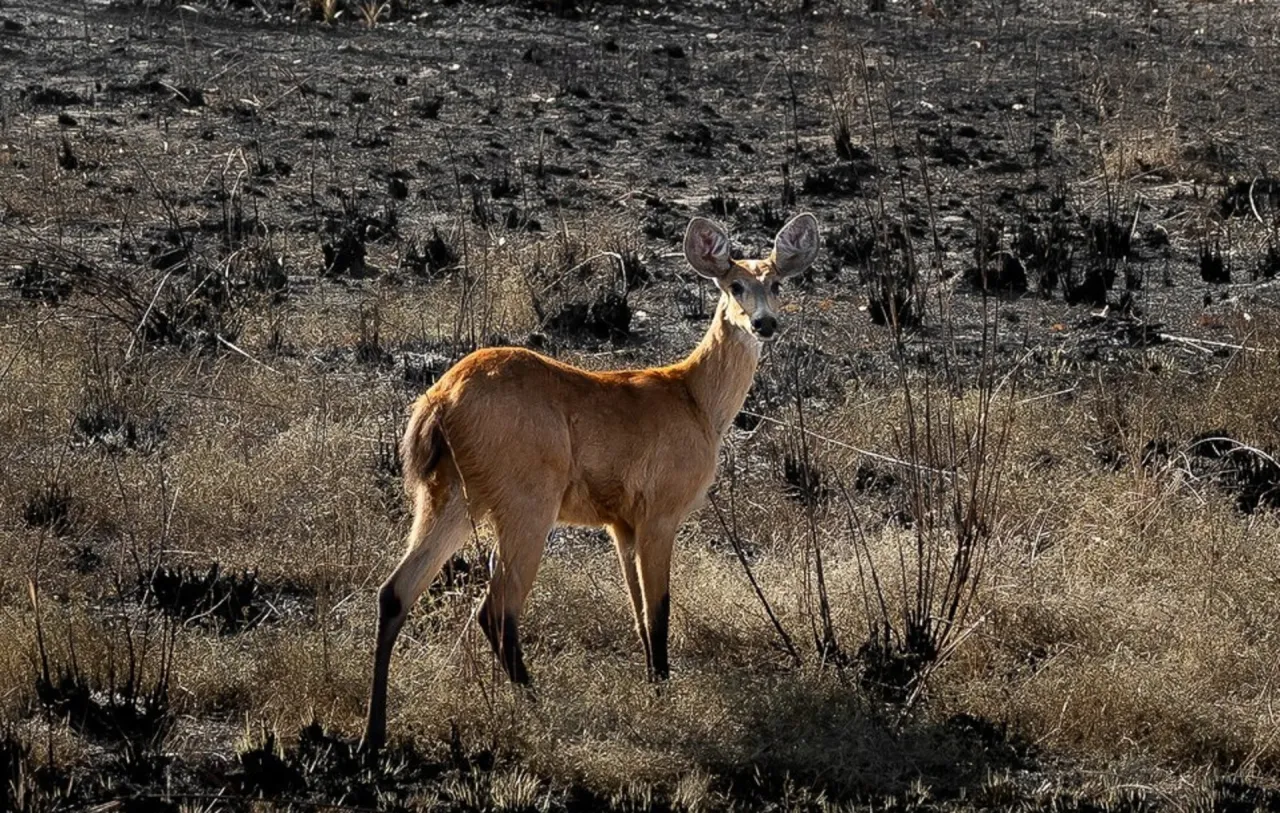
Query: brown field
1017	550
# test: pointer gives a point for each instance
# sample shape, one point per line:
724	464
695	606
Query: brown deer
529	442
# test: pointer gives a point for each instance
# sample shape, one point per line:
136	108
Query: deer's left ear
796	245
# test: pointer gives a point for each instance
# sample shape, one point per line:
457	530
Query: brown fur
629	447
527	442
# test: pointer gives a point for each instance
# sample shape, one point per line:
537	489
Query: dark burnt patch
1247	198
892	279
108	712
869	478
123	708
1108	236
1088	285
607	318
50	507
996	741
997	267
1043	243
221	601
37	283
47	96
82	555
192	299
23	777
323	768
344	250
1157	453
635	272
1214	268
794	370
849	246
1249	474
431	258
891	662
804	480
369	348
722	206
115	428
697	138
840	179
1232	793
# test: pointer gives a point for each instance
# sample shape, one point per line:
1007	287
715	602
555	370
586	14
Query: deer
528	442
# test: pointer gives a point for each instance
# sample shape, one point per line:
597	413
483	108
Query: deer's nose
764	326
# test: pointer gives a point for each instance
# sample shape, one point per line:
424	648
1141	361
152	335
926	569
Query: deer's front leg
653	557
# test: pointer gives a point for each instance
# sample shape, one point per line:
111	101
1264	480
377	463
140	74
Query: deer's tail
423	445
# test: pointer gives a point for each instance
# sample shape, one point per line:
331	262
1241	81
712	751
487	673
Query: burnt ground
1095	182
1059	155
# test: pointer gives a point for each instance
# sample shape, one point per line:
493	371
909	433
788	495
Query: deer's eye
775	287
736	288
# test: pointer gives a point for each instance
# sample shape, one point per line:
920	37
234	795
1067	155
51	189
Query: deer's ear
796	245
706	247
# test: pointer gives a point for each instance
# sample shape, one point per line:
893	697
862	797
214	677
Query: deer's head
753	288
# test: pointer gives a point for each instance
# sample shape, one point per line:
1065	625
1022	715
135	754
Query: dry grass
1128	614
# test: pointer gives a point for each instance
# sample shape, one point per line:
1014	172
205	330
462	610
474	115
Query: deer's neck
719	370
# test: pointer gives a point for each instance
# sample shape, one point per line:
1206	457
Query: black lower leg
658	668
503	632
390	619
390	608
512	654
490	627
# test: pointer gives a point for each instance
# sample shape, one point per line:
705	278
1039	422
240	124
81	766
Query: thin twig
1253	206
1197	343
1237	447
1032	399
873	455
231	346
146	314
751	577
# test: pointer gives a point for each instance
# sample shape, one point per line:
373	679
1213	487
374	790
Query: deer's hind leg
522	535
440	526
